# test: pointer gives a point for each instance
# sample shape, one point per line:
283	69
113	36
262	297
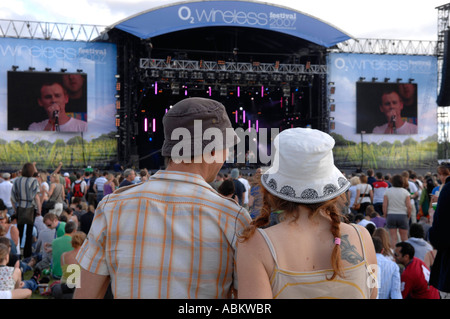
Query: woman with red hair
310	253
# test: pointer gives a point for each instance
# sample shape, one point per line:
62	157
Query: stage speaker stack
444	92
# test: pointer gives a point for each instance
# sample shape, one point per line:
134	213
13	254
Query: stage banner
383	110
249	14
58	104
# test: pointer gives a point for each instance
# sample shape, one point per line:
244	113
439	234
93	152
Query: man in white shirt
5	192
392	106
247	190
99	184
53	99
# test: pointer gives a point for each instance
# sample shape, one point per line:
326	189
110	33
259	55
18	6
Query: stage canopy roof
183	16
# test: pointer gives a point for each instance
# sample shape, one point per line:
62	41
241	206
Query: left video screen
47	101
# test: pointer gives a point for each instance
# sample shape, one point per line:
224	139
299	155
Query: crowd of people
63	206
194	230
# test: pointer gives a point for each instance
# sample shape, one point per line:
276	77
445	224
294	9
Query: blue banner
94	145
249	14
362	85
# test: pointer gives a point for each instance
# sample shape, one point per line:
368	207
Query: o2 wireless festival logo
251	18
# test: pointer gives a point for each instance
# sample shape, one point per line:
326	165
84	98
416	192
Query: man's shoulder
37	126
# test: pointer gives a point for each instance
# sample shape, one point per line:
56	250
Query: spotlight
362	79
374	79
399	80
15	67
31	68
48	69
411	80
63	70
80	70
386	80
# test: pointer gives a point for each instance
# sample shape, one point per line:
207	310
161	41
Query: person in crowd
255	198
61	245
10	277
144	175
66	287
53	99
439	235
25	195
247	187
415	275
44	256
99	185
379	188
388	274
56	194
282	261
5	192
129	176
412	188
417	240
226	189
397	210
364	194
239	188
391	106
52	222
86	219
216	183
351	193
371	177
109	187
177	205
44	188
79	187
10	230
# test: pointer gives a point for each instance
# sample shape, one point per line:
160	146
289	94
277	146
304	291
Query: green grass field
75	153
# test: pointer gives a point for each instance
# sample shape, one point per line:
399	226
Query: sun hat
6	175
303	169
186	115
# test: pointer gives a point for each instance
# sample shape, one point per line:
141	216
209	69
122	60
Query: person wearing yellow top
310	253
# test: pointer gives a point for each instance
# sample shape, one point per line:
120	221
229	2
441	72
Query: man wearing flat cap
173	236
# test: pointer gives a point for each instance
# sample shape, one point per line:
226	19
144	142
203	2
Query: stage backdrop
365	89
94	66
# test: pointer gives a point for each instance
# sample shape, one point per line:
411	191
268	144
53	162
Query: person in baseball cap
197	130
176	213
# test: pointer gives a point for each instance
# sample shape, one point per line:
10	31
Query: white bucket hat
303	169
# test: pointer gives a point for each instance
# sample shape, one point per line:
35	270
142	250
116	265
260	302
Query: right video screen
386	108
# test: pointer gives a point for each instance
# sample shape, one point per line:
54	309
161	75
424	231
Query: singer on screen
392	106
53	98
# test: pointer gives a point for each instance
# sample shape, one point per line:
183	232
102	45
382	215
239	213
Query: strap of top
269	243
360	239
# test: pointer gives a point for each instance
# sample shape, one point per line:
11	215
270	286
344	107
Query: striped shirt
389	279
24	191
171	237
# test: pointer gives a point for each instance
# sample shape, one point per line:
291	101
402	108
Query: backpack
77	190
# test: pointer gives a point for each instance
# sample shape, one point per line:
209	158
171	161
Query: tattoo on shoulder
349	251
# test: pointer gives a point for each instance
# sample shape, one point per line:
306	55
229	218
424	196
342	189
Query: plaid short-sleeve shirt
171	237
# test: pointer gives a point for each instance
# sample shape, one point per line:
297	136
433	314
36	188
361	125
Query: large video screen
386	108
47	101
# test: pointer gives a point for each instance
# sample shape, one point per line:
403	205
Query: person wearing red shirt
379	188
415	276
